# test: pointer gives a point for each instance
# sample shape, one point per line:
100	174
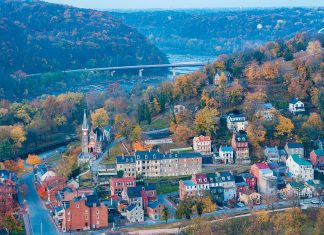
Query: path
96	163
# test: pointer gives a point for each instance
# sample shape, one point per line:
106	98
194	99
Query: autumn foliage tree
284	127
33	160
99	117
205	120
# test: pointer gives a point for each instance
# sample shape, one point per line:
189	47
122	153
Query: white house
178	108
47	175
226	154
300	189
236	122
296	106
299	168
134	213
202	145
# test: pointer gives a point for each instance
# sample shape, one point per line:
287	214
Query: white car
240	204
315	201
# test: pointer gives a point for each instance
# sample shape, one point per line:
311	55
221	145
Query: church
93	140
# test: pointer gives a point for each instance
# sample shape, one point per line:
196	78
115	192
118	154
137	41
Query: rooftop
299	160
202	138
188	183
226	148
134	192
261	166
319	152
295	145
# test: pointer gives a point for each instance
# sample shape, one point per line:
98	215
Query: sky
184	4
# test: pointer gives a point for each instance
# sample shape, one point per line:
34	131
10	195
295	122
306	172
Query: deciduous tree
99	117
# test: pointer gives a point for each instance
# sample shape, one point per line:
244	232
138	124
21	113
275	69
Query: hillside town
234	147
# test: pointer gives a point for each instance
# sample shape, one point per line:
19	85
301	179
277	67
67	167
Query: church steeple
85	122
85	128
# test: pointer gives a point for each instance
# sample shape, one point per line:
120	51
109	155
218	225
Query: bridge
140	68
321	30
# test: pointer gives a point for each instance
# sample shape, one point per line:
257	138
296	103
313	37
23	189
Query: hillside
223	31
40	37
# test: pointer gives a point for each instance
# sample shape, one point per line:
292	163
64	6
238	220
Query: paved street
39	216
96	163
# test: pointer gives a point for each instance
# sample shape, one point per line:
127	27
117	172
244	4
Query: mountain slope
213	32
40	37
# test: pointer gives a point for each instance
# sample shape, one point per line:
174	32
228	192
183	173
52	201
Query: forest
214	32
275	73
41	37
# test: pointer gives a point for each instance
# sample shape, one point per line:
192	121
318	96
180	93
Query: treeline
41	37
245	80
213	32
291	222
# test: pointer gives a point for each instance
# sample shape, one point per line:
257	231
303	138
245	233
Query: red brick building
8	196
255	169
317	158
154	210
118	185
85	213
250	180
240	146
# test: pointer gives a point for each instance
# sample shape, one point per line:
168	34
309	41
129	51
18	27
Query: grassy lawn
223	167
168	178
54	158
158	122
166	188
117	150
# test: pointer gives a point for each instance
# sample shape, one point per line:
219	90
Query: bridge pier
112	73
141	72
174	74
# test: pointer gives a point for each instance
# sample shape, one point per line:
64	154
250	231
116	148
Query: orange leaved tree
33	160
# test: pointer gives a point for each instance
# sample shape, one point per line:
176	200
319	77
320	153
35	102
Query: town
235	146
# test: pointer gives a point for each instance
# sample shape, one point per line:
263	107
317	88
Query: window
77	205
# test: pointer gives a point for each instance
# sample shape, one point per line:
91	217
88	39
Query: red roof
202	138
124	179
200	179
261	166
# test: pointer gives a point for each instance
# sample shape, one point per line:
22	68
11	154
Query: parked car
283	197
240	204
315	201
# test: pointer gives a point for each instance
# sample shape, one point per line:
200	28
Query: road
241	211
96	163
39	216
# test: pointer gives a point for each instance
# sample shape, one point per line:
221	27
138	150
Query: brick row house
221	185
240	146
202	145
84	213
151	164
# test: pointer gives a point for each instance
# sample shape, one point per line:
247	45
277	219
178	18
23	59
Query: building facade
150	164
84	213
299	168
295	148
226	154
296	106
317	159
236	122
202	145
240	146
